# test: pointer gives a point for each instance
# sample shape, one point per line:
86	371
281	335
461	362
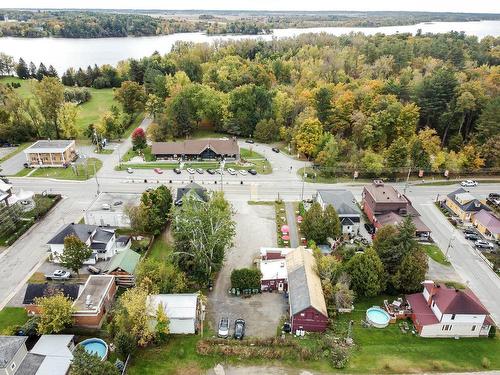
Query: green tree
22	70
367	273
328	157
246	278
66	118
131	96
157	204
266	131
323	104
55	313
160	277
396	156
162	324
411	272
372	163
125	344
385	244
313	225
203	232
84	363
49	96
75	253
333	227
307	136
487	124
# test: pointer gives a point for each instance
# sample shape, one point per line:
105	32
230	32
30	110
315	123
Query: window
433	303
453	317
302	314
473	328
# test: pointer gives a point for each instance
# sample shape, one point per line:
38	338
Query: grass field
246	153
84	171
436	254
10	317
90	112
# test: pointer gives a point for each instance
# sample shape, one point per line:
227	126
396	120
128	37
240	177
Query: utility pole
303	183
449	243
96	180
407	180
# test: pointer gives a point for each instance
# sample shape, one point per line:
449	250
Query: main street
21	259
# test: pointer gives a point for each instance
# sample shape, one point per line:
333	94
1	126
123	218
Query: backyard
11	317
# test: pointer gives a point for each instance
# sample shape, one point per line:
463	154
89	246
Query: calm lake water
64	53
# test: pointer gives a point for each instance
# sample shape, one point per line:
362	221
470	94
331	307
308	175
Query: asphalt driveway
262	312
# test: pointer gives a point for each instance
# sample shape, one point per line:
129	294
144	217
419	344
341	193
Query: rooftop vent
378	182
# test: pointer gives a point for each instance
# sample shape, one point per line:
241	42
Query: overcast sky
477	6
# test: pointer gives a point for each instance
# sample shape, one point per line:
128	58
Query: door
280	286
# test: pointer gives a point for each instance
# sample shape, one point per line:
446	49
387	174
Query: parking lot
261	312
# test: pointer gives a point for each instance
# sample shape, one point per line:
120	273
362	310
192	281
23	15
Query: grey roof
192	189
9	346
473	205
30	364
342	200
83	232
49	145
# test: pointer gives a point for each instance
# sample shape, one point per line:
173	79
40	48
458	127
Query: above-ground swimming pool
377	317
96	346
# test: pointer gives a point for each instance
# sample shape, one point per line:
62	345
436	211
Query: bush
125	344
246	278
485	362
78	95
340	356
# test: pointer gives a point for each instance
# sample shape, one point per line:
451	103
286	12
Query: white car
469	183
58	275
191	170
231	171
106	206
243	172
223	328
130	170
484	244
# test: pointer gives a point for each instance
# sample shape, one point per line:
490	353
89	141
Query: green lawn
24	91
11	317
436	254
84	170
91	111
246	153
160	250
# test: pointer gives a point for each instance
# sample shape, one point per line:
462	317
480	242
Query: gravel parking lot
262	312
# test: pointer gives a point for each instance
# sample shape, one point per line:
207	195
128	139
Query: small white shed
181	309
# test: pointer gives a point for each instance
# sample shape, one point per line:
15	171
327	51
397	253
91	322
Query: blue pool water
377	316
95	346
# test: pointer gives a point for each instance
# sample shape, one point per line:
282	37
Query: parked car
243	172
251	141
471	236
210	171
190	170
106	206
177	171
200	171
223	328
117	203
58	275
493	199
469	231
481	244
239	329
370	228
94	270
231	171
494	195
252	172
276	149
130	170
158	170
26	165
469	183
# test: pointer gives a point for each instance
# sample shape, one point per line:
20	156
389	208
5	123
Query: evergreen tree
22	69
32	70
41	72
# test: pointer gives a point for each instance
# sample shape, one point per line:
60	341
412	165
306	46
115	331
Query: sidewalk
292	224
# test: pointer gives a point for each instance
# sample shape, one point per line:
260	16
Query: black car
177	171
251	141
469	231
210	171
369	228
471	236
239	329
276	149
494	195
252	172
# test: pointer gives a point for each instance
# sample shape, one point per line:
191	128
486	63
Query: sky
466	6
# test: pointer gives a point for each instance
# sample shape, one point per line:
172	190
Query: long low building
197	149
51	153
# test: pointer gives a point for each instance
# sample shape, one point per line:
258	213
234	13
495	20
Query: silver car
223	328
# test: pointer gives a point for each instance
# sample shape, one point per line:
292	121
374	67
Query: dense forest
377	104
102	24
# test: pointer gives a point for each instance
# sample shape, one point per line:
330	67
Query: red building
384	205
307	304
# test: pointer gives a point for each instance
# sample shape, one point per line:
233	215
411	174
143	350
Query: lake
64	53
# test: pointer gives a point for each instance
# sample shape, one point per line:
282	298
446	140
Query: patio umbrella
285	237
285	229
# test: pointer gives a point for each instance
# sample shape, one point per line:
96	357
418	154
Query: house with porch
440	311
51	153
102	241
197	149
383	205
345	205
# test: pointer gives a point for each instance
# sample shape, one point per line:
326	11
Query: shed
123	266
183	311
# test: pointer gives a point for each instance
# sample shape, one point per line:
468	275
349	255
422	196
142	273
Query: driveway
14	164
262	312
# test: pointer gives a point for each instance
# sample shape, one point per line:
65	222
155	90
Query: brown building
197	149
94	300
383	205
51	153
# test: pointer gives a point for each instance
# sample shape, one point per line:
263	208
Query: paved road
14	164
263	187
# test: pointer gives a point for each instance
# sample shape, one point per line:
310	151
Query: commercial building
51	153
197	149
109	209
464	204
488	224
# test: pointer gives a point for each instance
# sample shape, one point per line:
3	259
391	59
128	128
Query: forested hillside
377	104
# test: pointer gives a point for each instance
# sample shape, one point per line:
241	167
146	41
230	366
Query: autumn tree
139	139
49	96
75	253
307	136
131	96
66	117
55	313
162	328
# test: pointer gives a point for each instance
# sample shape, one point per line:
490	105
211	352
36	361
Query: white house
101	240
183	310
344	203
440	311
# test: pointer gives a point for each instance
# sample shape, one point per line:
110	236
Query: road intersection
19	261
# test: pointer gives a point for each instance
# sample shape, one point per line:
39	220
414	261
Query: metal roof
176	306
126	260
342	200
49	146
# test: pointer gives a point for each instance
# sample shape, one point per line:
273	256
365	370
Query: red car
158	170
